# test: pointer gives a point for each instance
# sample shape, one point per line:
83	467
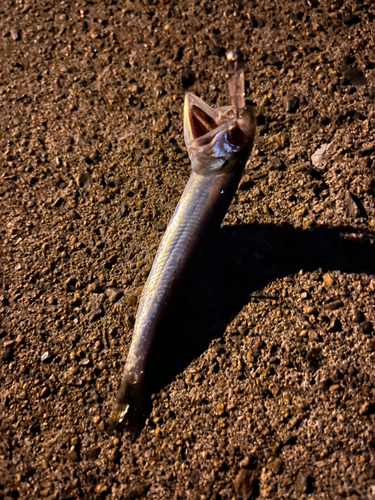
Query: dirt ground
263	381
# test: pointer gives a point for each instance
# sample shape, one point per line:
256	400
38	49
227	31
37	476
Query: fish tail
128	404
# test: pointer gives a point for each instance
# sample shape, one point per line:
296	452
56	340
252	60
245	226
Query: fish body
219	144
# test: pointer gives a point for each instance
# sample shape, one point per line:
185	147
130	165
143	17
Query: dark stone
135	102
291	103
7	354
304	484
358	316
312	172
83	178
351	19
111	261
365	327
314	356
162	72
178	54
187	78
274	60
335	325
218	51
138	490
355	76
195	477
246	185
58	202
364	152
277	164
325	120
70	283
93	453
348	59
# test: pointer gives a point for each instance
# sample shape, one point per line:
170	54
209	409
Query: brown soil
264	385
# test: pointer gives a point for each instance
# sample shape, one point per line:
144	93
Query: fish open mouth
213	135
201	123
199	119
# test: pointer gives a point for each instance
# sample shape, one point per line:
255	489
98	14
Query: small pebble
242	330
135	89
47	356
96	314
76	381
365	408
276	465
249	358
244	483
113	294
45	392
132	300
15	34
328	280
220	409
163	124
101	488
336	304
72	355
354	205
277	164
159	91
113	455
73	455
94	287
102	365
313	336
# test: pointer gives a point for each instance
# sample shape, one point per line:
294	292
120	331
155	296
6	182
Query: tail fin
128	404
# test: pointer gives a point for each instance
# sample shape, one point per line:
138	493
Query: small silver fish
219	142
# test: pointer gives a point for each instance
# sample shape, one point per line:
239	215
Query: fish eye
235	135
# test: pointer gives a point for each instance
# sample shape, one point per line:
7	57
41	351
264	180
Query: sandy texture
263	382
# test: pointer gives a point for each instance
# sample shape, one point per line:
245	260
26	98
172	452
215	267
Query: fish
219	142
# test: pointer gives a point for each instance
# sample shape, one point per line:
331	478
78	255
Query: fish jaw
216	139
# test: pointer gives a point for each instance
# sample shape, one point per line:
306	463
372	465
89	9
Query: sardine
219	142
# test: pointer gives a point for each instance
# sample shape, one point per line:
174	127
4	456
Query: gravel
263	379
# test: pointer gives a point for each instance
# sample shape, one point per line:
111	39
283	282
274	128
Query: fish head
217	140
